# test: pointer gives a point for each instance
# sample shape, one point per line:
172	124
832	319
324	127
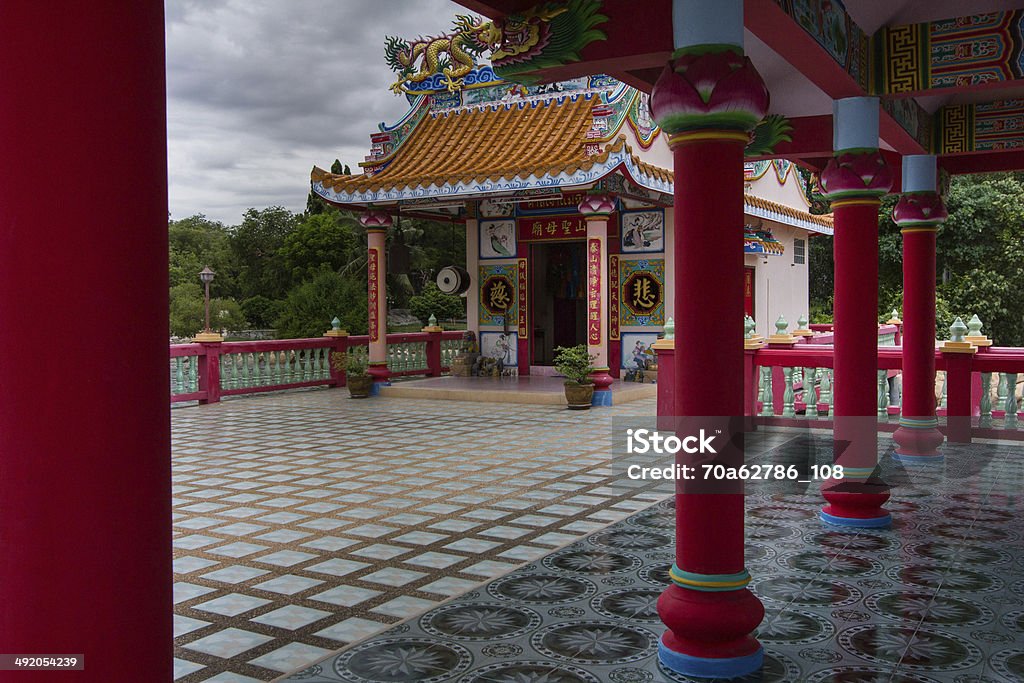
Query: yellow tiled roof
491	144
768	205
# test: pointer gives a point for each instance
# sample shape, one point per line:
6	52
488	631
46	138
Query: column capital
919	212
376	220
856	176
597	206
709	92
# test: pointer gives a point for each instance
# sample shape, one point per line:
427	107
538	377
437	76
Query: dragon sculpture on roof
453	55
550	34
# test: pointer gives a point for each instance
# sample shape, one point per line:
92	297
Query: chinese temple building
565	190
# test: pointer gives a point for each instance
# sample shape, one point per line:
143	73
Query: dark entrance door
559	298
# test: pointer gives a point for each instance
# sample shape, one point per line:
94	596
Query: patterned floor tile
228	643
345	596
290	657
232	604
351	630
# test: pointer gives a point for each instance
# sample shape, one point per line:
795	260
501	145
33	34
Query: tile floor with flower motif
306	521
424	510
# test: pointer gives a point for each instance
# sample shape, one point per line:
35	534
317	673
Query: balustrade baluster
178	386
767	400
883	394
831	394
1001	390
942	400
788	396
985	409
1010	419
810	395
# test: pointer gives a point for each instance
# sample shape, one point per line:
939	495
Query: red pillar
709	612
85	515
919	215
855	180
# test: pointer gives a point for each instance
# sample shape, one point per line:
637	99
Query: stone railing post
958	354
340	338
433	331
209	371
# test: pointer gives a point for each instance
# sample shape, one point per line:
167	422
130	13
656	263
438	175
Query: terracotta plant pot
579	396
359	387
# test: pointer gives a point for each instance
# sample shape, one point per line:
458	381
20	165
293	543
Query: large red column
919	215
709	612
855	180
85	516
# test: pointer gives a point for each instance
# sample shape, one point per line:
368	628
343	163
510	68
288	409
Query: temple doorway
559	298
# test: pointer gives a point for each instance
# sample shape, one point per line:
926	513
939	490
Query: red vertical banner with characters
613	297
594	292
748	291
374	294
523	293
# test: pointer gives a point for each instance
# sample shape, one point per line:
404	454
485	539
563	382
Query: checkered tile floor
307	521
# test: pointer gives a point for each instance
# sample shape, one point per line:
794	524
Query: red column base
710	631
918	444
602	391
601	379
855	502
379	372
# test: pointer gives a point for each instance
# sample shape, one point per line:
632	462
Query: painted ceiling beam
819	61
960	54
983	162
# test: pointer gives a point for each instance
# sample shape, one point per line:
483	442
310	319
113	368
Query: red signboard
371	272
594	291
523	292
552	228
748	291
613	297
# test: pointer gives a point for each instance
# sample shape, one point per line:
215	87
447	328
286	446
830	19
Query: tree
188	311
256	244
196	242
979	259
261	312
432	301
327	240
311	305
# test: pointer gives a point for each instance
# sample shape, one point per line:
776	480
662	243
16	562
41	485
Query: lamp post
206	276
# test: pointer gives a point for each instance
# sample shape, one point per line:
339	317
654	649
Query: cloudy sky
260	90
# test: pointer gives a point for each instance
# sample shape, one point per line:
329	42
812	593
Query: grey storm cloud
260	90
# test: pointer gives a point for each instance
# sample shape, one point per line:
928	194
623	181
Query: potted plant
576	364
357	379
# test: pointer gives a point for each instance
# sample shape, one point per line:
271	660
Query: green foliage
312	304
575	363
188	314
186	309
979	259
255	244
432	301
297	271
196	242
261	312
328	240
352	365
